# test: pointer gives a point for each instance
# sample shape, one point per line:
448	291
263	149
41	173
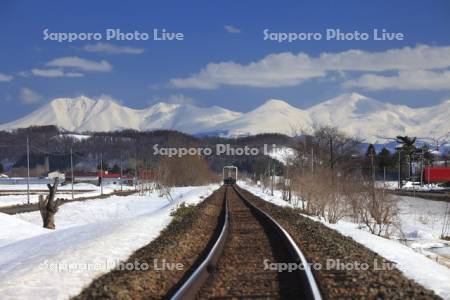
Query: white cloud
28	96
5	78
284	69
54	73
287	69
174	99
404	80
180	99
81	63
112	49
109	98
232	29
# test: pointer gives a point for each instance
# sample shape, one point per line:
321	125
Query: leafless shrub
184	171
326	176
378	211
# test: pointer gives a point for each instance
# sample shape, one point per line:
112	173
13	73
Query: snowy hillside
84	114
364	117
274	116
186	118
355	114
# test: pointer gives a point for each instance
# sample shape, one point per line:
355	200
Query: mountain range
353	113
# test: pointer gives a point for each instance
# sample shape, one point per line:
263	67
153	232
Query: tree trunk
49	206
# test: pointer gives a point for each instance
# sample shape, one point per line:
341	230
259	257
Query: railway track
236	266
222	245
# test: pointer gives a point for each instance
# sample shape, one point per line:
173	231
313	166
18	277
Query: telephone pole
272	179
121	174
28	170
331	161
101	173
71	170
399	169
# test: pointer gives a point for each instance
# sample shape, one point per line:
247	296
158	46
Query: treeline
133	150
331	178
385	164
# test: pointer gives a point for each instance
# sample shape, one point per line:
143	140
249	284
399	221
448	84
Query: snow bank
414	265
14	229
90	239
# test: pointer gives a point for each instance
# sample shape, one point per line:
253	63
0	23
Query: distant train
230	174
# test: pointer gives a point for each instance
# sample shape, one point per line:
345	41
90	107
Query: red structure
436	174
107	174
94	177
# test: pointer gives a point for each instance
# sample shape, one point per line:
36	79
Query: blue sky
244	70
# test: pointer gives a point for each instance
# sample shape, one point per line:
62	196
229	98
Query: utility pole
272	179
121	174
446	224
413	179
71	170
373	167
331	161
312	160
136	174
101	173
28	170
136	165
399	170
421	168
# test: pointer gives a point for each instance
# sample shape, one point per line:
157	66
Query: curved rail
190	287
194	282
309	281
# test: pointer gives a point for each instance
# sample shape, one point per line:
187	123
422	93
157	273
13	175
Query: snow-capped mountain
84	114
364	117
355	114
274	116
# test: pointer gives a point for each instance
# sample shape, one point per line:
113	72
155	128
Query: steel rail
309	281
189	288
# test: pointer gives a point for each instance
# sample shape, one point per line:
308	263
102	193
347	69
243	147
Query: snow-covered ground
410	186
17	192
421	223
91	237
41	185
283	154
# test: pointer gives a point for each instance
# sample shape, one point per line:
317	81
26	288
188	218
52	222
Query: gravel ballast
322	245
182	242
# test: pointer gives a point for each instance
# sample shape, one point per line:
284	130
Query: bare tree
49	206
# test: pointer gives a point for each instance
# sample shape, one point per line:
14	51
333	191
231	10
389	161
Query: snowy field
14	194
90	239
421	223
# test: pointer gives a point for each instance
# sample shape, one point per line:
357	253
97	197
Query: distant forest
128	146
